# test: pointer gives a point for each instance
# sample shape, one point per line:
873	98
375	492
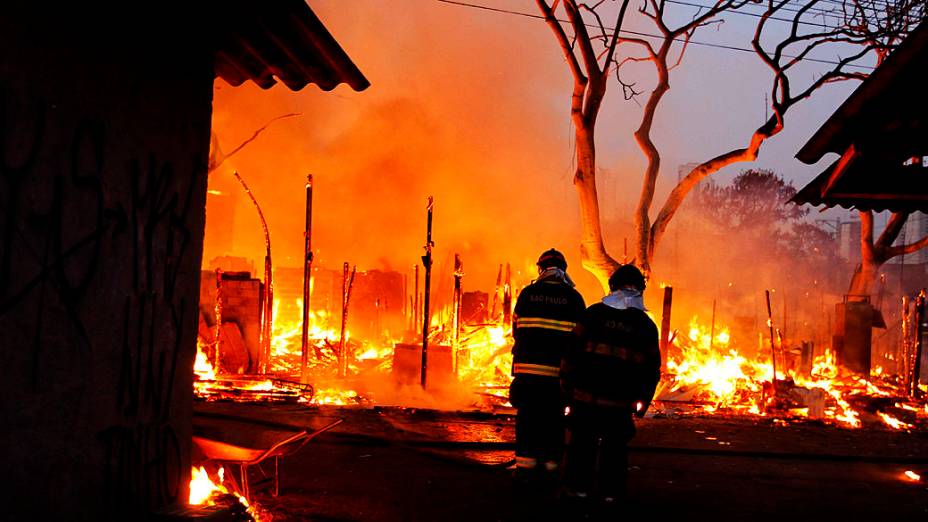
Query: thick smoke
472	108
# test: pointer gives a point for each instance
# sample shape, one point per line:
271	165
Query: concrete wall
241	304
104	135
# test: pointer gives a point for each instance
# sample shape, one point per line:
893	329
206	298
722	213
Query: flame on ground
706	369
893	422
203	491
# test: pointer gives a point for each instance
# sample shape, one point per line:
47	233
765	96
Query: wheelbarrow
274	445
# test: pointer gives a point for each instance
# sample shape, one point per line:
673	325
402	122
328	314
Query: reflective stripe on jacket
545	323
536	369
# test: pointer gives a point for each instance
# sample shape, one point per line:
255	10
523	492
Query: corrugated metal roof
280	40
882	125
866	186
886	105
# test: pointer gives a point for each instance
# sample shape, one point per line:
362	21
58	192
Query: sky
472	107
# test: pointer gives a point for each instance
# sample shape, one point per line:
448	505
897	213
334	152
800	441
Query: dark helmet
627	275
551	258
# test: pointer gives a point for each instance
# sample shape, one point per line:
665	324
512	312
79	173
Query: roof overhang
864	186
877	131
280	40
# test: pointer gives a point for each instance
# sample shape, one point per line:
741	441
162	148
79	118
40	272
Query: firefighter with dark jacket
544	319
608	376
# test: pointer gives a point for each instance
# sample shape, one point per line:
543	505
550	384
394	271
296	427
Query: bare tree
898	17
873	254
590	70
855	28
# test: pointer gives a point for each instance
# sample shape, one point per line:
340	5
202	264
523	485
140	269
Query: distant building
849	241
233	264
685	169
916	227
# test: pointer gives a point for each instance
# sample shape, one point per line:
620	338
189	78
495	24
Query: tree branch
899	250
219	160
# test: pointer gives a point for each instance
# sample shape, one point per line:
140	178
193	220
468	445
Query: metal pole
427	263
773	350
456	305
665	325
307	278
267	316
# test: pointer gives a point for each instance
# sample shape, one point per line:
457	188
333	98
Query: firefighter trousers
596	456
539	422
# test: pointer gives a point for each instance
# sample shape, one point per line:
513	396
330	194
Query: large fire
707	372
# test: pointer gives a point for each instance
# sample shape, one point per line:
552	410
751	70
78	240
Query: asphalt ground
396	464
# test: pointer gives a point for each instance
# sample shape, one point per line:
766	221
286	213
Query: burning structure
104	183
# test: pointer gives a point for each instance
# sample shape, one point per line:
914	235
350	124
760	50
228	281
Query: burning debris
206	492
708	373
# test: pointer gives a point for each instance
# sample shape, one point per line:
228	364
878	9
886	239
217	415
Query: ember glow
709	374
911	475
202	487
893	422
203	369
709	370
203	491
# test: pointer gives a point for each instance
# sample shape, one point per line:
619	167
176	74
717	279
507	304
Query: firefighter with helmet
544	318
608	376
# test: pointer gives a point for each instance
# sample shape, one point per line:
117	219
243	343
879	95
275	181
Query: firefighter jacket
617	361
545	316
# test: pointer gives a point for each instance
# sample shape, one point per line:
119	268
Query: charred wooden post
807	356
427	263
456	305
267	309
906	352
918	345
415	306
712	329
773	349
307	281
218	311
347	283
665	325
496	292
507	297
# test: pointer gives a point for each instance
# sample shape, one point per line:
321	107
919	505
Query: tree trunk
864	277
593	253
873	254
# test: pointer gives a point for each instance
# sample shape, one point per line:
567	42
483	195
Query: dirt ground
393	464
